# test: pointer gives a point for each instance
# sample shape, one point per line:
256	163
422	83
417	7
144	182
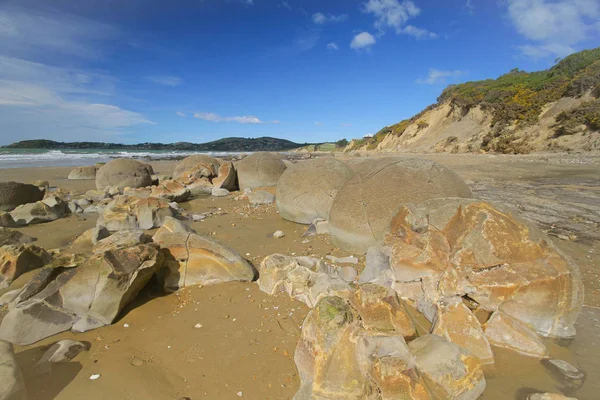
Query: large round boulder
306	189
13	194
122	173
363	208
259	170
87	172
195	161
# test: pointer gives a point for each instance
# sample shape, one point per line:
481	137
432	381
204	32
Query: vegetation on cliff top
517	98
225	144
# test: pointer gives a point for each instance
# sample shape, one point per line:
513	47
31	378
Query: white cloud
554	27
165	80
363	40
395	14
332	46
180	114
439	76
276	122
318	123
249	119
345	125
322	19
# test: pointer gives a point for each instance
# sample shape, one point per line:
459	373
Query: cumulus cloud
318	123
332	46
180	114
362	41
165	80
212	117
322	19
395	14
554	27
439	76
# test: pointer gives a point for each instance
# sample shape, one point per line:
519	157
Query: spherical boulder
362	211
191	162
13	194
306	189
260	169
83	173
122	173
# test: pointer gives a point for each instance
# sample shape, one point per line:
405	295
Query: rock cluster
14	194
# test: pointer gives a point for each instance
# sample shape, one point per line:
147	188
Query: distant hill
233	144
519	112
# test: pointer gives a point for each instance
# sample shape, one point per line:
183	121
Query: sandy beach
231	341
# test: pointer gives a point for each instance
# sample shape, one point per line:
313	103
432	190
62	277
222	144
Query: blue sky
305	70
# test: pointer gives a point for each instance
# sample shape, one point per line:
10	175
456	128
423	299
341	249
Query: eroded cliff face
451	129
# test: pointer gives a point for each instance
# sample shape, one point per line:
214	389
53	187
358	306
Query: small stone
125	325
240	394
198	326
198	217
278	234
94	377
220	192
136	362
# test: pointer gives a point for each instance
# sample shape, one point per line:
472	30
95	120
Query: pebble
198	326
94	377
278	234
240	394
125	325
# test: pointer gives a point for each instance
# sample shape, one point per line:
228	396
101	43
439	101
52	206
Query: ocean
28	158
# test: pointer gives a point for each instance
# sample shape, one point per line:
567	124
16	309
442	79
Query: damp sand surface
245	340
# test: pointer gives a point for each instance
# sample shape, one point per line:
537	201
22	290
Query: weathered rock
171	225
567	375
326	357
13	194
82	298
306	190
46	210
510	333
200	186
364	206
129	213
197	162
278	234
122	173
227	177
171	191
261	197
96	195
219	192
273	271
121	239
192	259
91	236
41	184
15	260
11	237
261	169
381	310
6	220
61	351
548	396
449	371
83	173
457	324
13	384
469	247
377	269
348	274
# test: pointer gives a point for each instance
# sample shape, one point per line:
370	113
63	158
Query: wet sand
247	339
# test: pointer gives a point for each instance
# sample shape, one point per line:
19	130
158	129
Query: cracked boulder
49	209
196	165
171	191
260	169
122	173
82	298
192	259
83	173
15	260
130	213
306	190
510	333
364	206
13	194
450	372
467	247
227	177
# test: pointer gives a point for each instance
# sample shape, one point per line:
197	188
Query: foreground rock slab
14	194
16	260
11	377
131	212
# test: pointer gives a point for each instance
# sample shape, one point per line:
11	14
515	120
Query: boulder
381	310
467	247
457	324
91	236
41	184
83	173
449	371
227	177
122	173
121	239
363	208
200	186
61	351
79	299
171	191
192	259
219	192
13	384
13	194
306	190
510	333
549	396
569	377
6	220
49	209
12	237
261	197
261	169
171	225
15	260
130	213
96	195
197	162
